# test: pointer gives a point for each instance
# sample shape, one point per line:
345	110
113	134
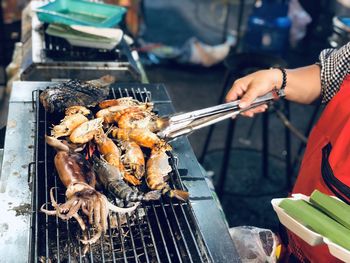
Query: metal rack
44	59
159	231
17	186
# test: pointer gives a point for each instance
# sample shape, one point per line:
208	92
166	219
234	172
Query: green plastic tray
78	12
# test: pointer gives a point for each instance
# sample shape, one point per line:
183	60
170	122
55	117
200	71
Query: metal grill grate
60	49
159	231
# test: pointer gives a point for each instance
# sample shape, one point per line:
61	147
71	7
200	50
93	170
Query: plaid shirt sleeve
335	65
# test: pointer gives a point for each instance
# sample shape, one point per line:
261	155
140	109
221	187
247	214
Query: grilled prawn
112	179
68	124
112	114
111	153
133	158
86	131
126	101
77	175
77	109
142	137
157	170
139	120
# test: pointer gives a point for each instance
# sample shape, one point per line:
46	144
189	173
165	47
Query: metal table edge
219	251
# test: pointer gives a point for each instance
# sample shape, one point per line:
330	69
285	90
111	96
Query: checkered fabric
335	65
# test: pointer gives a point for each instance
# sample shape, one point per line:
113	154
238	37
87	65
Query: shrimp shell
142	137
139	120
111	153
108	149
68	124
77	109
157	170
86	131
133	158
112	114
127	101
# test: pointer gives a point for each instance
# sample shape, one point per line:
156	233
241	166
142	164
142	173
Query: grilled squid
77	175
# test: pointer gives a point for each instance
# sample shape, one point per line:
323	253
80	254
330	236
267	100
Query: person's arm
304	85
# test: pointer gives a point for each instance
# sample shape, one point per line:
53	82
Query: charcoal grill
47	58
160	231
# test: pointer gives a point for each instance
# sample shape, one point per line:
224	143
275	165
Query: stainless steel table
15	192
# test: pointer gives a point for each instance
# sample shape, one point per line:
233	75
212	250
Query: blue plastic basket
79	12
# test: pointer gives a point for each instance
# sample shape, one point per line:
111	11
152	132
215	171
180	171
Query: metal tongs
184	123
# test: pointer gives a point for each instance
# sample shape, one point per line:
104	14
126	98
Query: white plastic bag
255	245
207	55
345	3
300	19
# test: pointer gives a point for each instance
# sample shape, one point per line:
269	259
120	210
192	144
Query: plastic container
309	236
86	36
78	12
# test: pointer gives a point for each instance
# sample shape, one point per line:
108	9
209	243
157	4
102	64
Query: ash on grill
159	231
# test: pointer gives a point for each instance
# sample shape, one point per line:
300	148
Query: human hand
252	86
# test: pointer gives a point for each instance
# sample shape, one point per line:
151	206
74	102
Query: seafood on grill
77	175
112	179
76	93
113	113
157	170
125	101
112	154
142	137
140	120
77	109
133	158
68	124
86	131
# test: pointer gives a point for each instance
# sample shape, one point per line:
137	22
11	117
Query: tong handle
187	127
229	106
185	123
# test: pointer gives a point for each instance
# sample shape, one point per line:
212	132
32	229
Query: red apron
333	127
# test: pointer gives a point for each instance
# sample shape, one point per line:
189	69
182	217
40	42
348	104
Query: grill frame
16	178
37	66
193	247
59	49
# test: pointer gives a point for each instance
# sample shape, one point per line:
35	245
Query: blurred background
197	48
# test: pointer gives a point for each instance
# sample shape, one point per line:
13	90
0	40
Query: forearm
303	84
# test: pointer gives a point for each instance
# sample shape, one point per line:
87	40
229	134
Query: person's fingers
239	87
250	95
252	112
